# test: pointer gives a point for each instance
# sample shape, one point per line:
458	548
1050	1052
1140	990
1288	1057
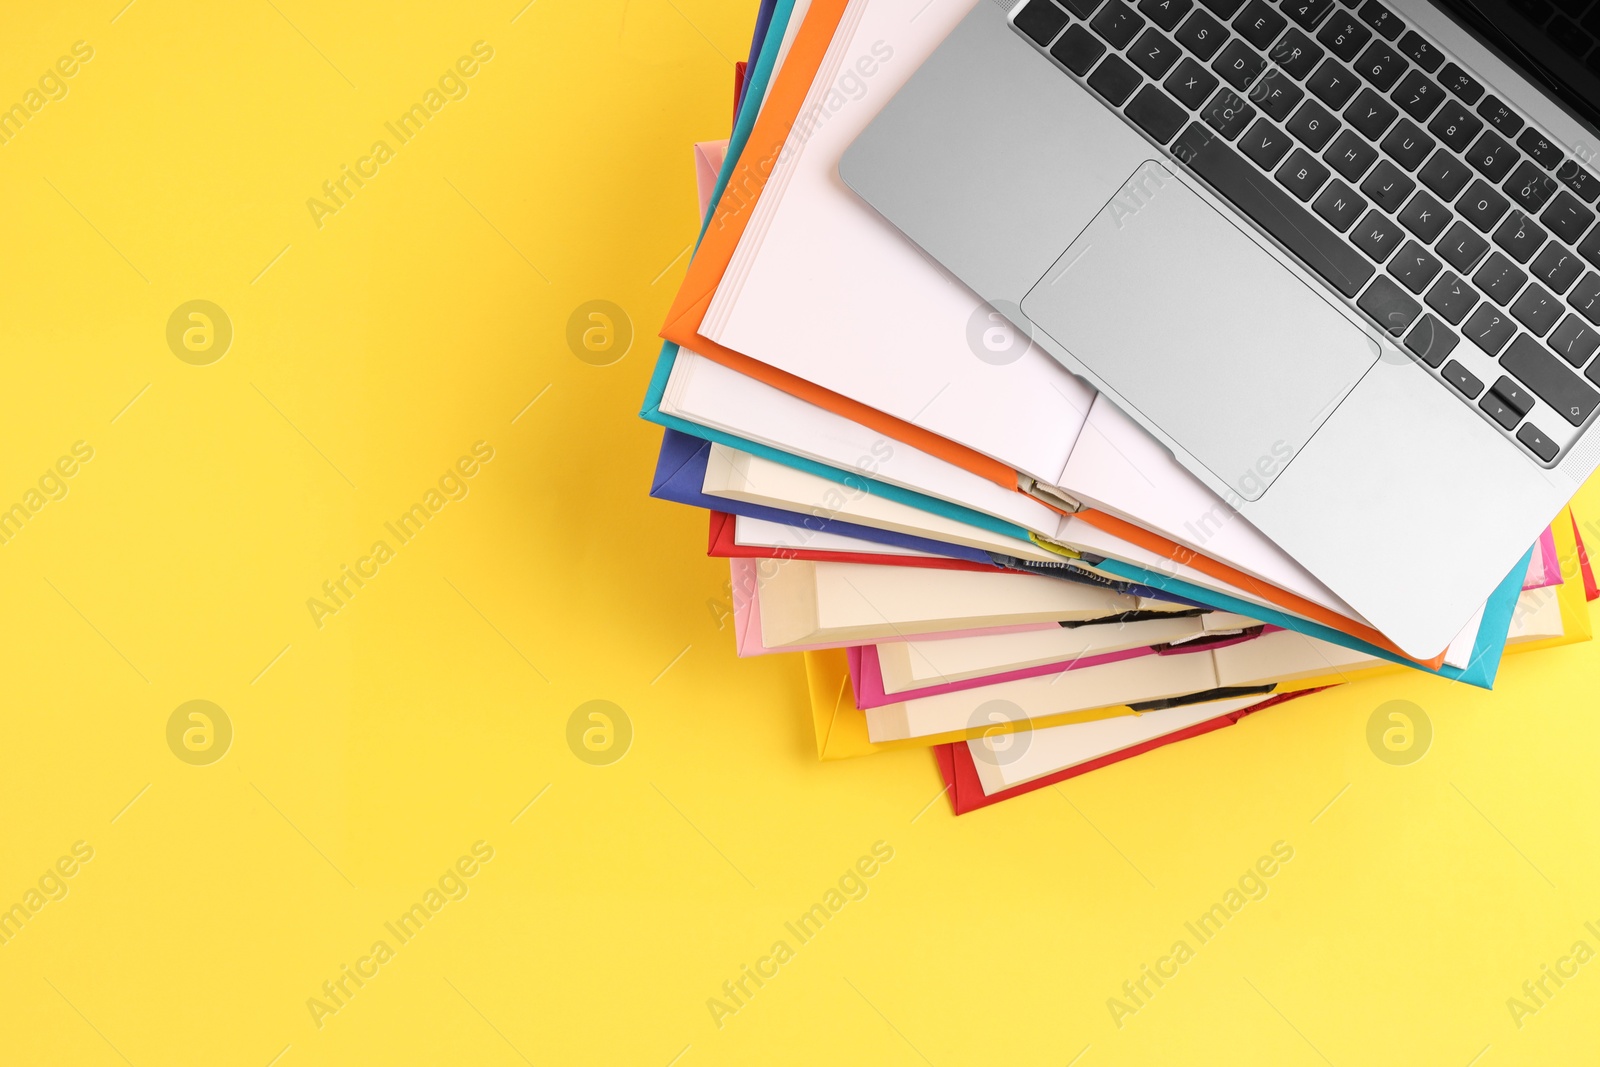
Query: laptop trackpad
1200	330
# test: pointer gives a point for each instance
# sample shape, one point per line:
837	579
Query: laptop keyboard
1391	172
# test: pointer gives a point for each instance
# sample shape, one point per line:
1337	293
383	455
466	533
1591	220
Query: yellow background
372	752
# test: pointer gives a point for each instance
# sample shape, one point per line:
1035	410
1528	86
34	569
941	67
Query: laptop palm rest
1193	325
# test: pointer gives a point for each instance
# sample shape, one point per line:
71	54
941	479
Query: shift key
1328	254
1530	363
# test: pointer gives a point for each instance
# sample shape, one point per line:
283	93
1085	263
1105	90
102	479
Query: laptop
1340	258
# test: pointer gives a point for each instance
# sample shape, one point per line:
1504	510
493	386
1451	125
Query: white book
1285	656
735	475
709	394
807	602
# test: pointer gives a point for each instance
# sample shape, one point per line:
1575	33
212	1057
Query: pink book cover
1544	569
708	157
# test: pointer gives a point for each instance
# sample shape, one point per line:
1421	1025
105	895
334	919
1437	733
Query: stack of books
972	550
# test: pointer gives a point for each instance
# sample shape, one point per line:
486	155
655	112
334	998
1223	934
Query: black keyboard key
1417	96
1414	266
1191	84
1461	83
1421	52
1275	94
1228	114
1223	8
1466	383
1154	54
1407	145
1343	35
1306	13
1513	395
1585	297
1339	205
1490	328
1380	65
1431	340
1332	84
1313	126
1574	341
1455	125
1371	114
1295	53
1165	13
1500	279
1157	114
1500	116
1499	410
1567	218
1114	80
1530	363
1492	156
1425	217
1537	309
1481	205
1444	174
1041	20
1201	34
1350	155
1557	268
1520	236
1388	305
1537	443
1462	248
1264	143
1078	50
1452	298
1387	186
1259	24
1530	186
1380	18
1239	64
1589	247
1117	23
1585	186
1324	252
1302	175
1544	153
1377	236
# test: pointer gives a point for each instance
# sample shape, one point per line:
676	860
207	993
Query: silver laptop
1341	259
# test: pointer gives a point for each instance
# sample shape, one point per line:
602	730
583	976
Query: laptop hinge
1049	494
